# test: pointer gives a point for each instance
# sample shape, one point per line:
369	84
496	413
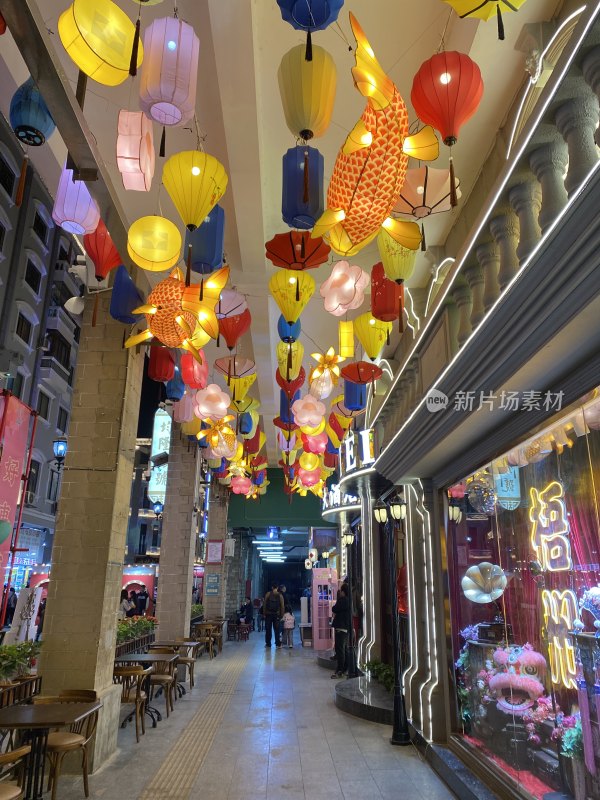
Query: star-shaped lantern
217	430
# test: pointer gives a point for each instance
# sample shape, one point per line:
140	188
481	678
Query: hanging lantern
101	249
302	194
315	444
446	92
170	71
387	297
309	477
238	366
290	387
285	406
231	303
327	364
240	485
245	423
361	372
207	242
194	372
485	10
29	116
74	209
307	90
291	291
2	25
161	366
175	387
309	461
154	243
355	395
344	289
297	250
99	36
135	150
183	409
370	168
239	384
372	334
322	386
217	433
195	182
346	338
288	332
125	296
232	328
212	403
398	261
426	191
308	411
289	359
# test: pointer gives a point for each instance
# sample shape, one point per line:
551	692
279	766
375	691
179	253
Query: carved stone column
591	73
526	199
577	121
403	388
488	255
410	373
549	163
463	298
474	277
505	230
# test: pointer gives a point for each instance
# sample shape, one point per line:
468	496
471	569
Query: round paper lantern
183	409
74	209
207	242
387	297
426	191
240	485
308	411
307	91
161	366
29	116
98	36
135	150
194	372
322	386
154	243
288	332
309	477
355	395
398	261
195	182
297	250
344	289
372	334
170	71
289	359
302	200
309	461
211	402
291	291
101	249
175	387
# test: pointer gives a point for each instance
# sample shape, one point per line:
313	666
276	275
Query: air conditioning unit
30	498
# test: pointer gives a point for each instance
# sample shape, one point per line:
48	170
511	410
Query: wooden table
148	659
37	721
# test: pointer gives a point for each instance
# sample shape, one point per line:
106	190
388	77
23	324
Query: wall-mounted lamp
59	448
381	512
158	508
347	536
398	508
454	513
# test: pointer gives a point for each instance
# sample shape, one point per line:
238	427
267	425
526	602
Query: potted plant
28	651
571	746
12	660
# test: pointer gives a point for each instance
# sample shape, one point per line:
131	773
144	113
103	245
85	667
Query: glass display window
524	583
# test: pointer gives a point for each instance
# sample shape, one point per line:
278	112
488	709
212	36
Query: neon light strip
438	269
340	510
357	474
430	622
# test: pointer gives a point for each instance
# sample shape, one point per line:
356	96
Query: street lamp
348	541
59	448
454	512
158	509
381	512
398	509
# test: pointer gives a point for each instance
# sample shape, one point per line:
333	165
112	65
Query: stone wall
214	605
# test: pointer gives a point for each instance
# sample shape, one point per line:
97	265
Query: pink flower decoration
240	485
309	477
212	402
344	289
315	444
308	411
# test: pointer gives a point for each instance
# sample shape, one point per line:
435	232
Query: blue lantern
29	115
302	197
245	423
285	407
259	477
288	332
176	386
202	442
310	15
207	243
331	448
355	396
124	298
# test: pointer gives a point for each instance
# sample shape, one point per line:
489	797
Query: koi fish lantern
371	166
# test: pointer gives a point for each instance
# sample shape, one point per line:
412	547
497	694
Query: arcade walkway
260	724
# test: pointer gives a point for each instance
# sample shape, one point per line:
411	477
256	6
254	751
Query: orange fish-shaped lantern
371	166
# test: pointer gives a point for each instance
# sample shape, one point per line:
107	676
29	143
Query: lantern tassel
302	248
134	50
95	311
423	242
308	54
387	337
453	196
298	290
21	184
500	23
188	272
161	151
305	197
401	309
123	342
202	290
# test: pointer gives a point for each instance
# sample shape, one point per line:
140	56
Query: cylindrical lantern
207	242
161	366
288	332
291	291
74	209
124	298
372	333
387	297
175	387
355	395
398	261
302	200
170	71
101	249
195	182
135	150
29	116
346	338
285	407
154	243
98	36
307	91
194	373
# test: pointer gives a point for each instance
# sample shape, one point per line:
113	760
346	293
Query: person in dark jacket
341	624
273	611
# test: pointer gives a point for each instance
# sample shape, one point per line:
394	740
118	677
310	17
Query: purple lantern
74	209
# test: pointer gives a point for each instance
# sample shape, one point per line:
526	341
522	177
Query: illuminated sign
508	489
335	500
161	442
550	528
357	451
560	612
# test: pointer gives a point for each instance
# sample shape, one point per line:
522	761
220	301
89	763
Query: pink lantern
194	373
285	445
308	411
169	71
183	410
231	303
211	402
309	477
458	491
315	444
344	289
240	485
74	209
135	150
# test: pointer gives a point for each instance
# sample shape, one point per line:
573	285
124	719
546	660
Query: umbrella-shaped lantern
485	9
296	250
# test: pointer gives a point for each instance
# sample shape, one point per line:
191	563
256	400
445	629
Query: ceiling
241	122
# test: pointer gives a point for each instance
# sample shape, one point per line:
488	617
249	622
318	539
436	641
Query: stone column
577	121
91	525
474	277
488	256
463	298
505	230
411	378
526	199
591	73
214	604
403	389
369	645
178	540
548	164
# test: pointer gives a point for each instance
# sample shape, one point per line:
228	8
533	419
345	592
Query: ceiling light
420	189
171	45
195	170
292	280
445	78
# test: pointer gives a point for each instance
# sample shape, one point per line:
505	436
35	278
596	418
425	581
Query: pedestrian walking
289	623
273	611
341	624
11	605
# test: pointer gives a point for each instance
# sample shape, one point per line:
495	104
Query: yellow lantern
239	386
154	243
343	421
314	431
346	339
333	437
98	36
289	359
309	461
195	182
398	261
372	333
291	290
192	428
239	452
307	91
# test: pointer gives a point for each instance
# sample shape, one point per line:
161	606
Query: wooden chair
164	676
188	660
10	789
132	680
203	634
218	625
232	630
244	632
76	738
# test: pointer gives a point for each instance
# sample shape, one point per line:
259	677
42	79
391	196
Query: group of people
278	617
133	604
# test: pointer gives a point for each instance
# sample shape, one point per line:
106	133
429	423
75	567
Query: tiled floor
279	737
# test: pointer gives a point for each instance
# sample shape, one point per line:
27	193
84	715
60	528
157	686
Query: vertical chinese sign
161	443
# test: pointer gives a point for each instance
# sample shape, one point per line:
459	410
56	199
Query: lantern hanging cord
424	32
339	32
442	44
175	10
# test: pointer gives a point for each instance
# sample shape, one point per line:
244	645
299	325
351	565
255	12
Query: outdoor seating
9	788
244	632
132	680
164	676
203	634
232	630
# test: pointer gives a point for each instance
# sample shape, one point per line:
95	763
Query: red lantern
290	387
387	297
101	249
162	366
297	250
2	25
330	460
361	372
252	445
231	328
194	373
446	92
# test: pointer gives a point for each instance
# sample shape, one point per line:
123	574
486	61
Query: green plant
28	651
134	628
571	745
197	610
13	660
383	673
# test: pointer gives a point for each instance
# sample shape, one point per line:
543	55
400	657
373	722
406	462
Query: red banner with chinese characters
14	435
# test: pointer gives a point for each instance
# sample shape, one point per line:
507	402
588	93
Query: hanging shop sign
508	488
161	442
357	451
335	501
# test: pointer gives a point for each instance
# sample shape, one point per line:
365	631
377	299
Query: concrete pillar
178	539
505	230
369	645
591	72
577	121
475	278
548	164
91	526
526	199
215	574
488	256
